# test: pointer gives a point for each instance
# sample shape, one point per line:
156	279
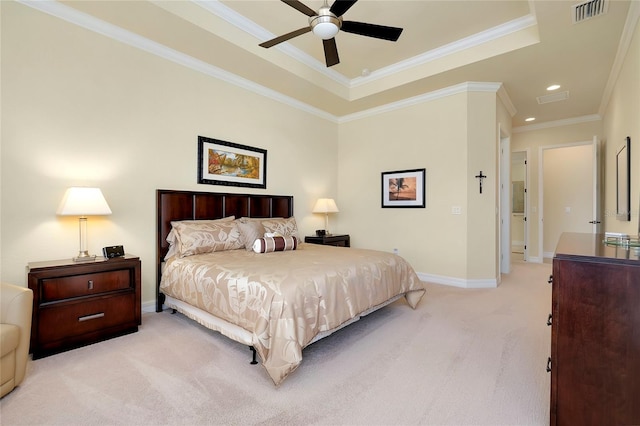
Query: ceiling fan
328	21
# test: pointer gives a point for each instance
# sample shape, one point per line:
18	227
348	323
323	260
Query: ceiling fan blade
339	7
331	52
371	30
284	37
300	7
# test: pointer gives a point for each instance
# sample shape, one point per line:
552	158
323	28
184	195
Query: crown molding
475	40
73	16
426	97
106	29
457	46
557	123
506	101
231	16
623	47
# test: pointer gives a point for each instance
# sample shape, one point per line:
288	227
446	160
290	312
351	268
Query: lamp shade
81	201
325	205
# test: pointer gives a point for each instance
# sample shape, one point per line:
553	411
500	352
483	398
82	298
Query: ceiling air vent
561	96
588	9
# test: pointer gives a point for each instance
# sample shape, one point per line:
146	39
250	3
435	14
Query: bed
249	276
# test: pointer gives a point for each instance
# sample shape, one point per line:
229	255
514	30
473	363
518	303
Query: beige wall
81	109
622	119
453	138
429	135
535	141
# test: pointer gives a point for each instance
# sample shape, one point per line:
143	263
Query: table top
593	246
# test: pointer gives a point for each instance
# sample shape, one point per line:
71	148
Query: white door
504	230
519	204
597	188
570	192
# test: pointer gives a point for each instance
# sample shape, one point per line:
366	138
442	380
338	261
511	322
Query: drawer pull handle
550	280
549	320
548	364
90	285
90	317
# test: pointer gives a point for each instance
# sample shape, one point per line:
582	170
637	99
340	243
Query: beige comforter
286	298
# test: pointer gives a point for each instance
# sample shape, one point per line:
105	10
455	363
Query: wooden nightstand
330	240
76	304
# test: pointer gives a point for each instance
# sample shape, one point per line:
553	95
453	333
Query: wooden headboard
191	205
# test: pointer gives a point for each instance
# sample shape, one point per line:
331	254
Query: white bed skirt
241	335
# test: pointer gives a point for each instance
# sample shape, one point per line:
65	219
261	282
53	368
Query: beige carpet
463	357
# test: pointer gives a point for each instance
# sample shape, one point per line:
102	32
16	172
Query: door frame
527	177
504	229
596	185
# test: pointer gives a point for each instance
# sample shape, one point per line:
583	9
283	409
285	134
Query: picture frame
404	188
623	181
231	164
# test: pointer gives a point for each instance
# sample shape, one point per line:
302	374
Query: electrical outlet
456	210
396	251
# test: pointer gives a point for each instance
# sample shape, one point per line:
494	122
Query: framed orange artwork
404	188
227	163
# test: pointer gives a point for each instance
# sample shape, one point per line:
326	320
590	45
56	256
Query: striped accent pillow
270	244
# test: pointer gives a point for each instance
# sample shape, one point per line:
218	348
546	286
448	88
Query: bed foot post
173	311
254	360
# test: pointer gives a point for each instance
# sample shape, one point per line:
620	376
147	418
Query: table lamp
83	202
326	206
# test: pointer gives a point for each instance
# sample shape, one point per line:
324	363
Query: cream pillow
285	227
191	237
250	230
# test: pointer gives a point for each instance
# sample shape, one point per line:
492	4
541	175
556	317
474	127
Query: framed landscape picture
404	188
231	164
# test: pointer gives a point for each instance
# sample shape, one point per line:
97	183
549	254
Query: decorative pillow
205	236
173	237
271	244
250	230
286	227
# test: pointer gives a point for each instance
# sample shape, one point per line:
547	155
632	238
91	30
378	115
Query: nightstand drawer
79	303
69	320
84	285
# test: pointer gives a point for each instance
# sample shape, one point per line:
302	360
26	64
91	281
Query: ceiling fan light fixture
325	30
325	25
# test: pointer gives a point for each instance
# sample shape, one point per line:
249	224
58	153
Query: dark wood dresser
595	333
76	304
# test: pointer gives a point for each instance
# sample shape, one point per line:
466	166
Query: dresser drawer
84	285
69	320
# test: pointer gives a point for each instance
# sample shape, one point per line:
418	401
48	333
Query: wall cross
480	176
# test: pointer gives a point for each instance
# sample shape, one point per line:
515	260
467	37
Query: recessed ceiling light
553	87
530	119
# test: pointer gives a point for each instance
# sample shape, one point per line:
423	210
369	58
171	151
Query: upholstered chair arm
16	305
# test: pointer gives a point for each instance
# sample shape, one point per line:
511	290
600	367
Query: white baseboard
149	306
457	282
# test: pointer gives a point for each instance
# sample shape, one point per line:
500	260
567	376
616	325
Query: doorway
569	195
519	203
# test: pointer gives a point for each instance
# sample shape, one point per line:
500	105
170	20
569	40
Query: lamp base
84	257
